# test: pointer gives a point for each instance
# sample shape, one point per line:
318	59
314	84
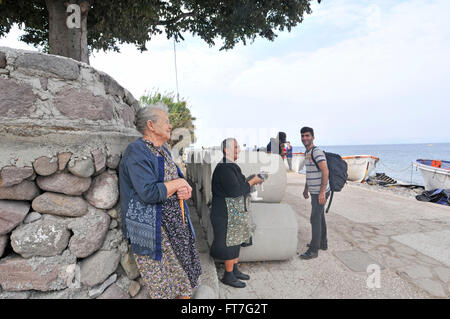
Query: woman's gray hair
228	143
148	112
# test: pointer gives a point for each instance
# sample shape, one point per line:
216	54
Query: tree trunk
65	41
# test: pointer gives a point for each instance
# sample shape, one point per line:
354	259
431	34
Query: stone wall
63	127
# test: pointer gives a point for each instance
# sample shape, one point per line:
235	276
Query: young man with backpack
325	172
318	186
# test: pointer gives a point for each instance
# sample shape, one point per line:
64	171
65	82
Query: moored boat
359	167
435	173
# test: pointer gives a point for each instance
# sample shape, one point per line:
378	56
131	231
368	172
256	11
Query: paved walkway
408	239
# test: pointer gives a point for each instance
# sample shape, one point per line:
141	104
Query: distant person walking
318	186
289	154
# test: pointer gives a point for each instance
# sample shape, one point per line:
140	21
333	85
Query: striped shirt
313	174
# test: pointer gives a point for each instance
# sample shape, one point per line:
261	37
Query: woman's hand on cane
184	193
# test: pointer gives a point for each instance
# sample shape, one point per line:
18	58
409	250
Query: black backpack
337	169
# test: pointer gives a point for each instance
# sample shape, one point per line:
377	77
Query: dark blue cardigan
142	191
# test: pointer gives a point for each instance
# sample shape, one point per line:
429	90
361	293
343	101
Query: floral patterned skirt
164	279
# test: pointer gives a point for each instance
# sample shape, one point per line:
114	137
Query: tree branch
177	18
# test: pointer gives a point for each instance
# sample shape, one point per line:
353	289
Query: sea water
395	159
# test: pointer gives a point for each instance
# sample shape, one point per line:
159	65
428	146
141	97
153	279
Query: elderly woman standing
229	216
155	218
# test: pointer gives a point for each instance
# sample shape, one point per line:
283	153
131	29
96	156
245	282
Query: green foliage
113	22
179	114
32	16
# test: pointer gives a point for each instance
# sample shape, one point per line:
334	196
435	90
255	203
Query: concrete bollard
256	162
250	163
190	167
275	236
197	164
210	161
201	164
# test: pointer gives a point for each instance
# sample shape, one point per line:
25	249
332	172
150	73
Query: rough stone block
134	288
113	161
64	183
111	85
12	214
26	190
59	204
63	159
82	168
96	268
37	273
128	116
99	158
11	175
104	191
89	232
98	290
129	265
46	237
17	99
82	104
52	65
45	166
114	292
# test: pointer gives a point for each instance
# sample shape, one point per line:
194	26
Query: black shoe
230	279
322	246
309	254
238	274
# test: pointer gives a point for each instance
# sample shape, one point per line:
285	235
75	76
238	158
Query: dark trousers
318	224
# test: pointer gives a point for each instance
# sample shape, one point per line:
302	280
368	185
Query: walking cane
182	210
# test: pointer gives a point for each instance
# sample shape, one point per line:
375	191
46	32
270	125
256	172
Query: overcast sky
358	72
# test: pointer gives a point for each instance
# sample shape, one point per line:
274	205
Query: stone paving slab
356	260
435	244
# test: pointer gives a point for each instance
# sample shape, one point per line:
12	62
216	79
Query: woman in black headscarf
230	218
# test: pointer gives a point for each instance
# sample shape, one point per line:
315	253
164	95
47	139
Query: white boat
436	174
359	167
